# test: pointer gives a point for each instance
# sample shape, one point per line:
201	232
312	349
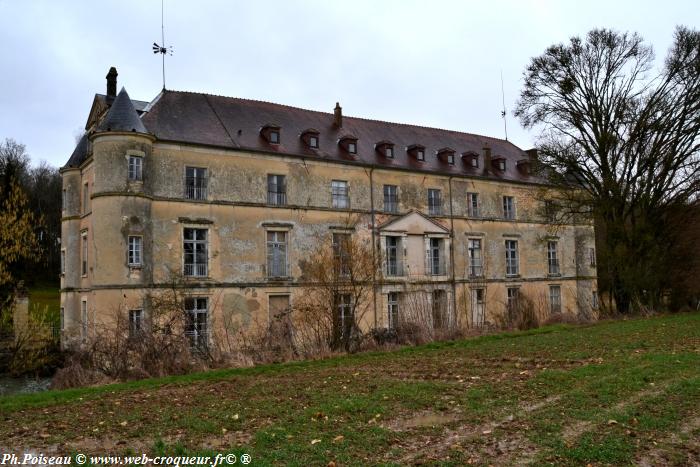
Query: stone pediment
414	223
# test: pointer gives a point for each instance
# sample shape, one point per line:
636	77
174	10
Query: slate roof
234	123
122	116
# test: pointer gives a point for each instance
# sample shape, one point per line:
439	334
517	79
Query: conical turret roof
122	116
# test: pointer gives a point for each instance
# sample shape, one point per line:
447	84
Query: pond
22	385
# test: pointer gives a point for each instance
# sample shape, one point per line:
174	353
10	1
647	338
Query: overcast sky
432	63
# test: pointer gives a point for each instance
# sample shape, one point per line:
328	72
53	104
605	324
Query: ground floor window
512	294
135	322
344	319
594	300
83	318
439	307
197	325
554	299
478	307
393	310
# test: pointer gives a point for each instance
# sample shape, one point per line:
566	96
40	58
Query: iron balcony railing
554	267
276	197
391	203
394	268
195	187
476	270
195	270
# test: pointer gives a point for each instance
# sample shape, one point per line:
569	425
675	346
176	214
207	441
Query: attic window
385	148
524	166
310	138
471	159
271	133
446	155
417	151
349	143
500	163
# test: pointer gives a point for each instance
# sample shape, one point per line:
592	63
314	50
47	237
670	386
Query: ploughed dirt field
614	393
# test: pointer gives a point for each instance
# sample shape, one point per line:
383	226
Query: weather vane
503	112
162	49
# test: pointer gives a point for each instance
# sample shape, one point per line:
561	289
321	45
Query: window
391	198
434	202
478	307
420	154
135	322
451	159
393	310
394	256
135	168
552	258
274	137
63	319
554	299
195	183
84	254
474	161
436	259
195	248
63	261
473	204
352	148
86	197
64	197
439	309
313	142
83	318
345	320
512	294
511	257
591	256
276	190
339	194
341	253
135	249
389	152
277	254
508	207
476	265
550	211
196	326
594	300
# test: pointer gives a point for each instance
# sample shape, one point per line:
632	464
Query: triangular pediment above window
414	223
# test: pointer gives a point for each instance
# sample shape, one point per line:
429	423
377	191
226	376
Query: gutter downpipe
374	246
452	252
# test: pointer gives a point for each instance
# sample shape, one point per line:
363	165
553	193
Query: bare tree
622	140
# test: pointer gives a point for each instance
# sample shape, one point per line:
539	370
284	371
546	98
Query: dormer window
310	138
499	163
417	151
385	148
349	144
271	133
524	166
471	159
446	155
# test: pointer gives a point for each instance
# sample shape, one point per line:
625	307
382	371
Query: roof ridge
413	125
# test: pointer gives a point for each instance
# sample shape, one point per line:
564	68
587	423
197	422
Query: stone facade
103	208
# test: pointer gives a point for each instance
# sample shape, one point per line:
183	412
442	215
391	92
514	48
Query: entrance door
477	308
280	322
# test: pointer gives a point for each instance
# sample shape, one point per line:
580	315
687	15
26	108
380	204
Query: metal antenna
503	112
162	49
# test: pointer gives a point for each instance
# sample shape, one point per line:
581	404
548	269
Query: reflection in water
22	385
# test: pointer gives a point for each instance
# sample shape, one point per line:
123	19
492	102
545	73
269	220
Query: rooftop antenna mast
503	112
162	49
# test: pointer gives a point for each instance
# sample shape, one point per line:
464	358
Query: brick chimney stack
487	159
338	116
112	82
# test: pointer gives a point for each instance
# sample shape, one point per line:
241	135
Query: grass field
625	392
45	298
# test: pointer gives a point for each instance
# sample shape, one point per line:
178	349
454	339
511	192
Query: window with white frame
277	254
393	310
436	257
345	319
135	168
555	299
394	256
391	198
512	268
195	249
552	258
276	189
84	318
135	250
508	207
434	202
476	262
439	309
135	322
339	194
196	182
512	295
84	254
341	253
197	321
473	205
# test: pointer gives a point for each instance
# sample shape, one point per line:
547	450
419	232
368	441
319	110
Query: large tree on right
621	136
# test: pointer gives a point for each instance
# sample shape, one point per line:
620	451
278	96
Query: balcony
554	267
195	270
277	198
195	188
394	268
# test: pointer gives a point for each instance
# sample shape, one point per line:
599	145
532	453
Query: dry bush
522	315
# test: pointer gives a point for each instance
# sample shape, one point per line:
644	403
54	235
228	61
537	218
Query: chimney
487	159
112	82
338	116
